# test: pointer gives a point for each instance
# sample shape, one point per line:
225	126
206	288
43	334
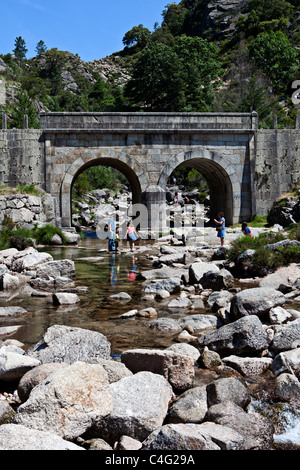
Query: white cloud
34	5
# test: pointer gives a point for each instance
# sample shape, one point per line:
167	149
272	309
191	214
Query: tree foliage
275	55
177	78
182	65
24	106
20	49
138	35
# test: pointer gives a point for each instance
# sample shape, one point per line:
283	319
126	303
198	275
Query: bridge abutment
246	169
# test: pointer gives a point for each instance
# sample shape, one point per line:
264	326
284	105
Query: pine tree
40	48
20	50
24	106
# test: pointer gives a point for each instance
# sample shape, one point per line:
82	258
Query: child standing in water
220	223
131	235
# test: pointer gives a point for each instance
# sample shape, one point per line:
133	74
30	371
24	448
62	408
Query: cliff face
219	18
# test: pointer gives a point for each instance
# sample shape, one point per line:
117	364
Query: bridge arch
219	174
122	162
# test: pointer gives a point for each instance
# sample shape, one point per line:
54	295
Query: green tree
20	50
35	87
275	55
155	81
24	106
178	78
40	48
267	10
199	67
105	97
138	36
257	98
174	17
52	70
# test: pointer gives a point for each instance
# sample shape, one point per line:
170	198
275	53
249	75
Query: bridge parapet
149	122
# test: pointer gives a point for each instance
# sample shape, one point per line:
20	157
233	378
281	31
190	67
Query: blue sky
91	28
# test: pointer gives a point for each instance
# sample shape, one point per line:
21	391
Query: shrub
14	236
44	235
242	244
294	232
264	260
28	189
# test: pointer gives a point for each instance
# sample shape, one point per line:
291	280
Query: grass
264	259
260	221
44	235
20	189
15	236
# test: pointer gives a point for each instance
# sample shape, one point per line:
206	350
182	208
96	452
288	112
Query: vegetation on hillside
245	59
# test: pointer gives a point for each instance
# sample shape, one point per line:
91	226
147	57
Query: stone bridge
246	168
147	147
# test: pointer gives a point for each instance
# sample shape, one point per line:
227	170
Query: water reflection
133	269
103	274
114	270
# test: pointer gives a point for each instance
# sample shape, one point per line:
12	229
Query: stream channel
111	274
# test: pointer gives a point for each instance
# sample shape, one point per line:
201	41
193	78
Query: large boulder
200	322
9	281
217	280
244	336
18	437
35	376
140	405
228	389
57	268
68	401
29	259
12	311
191	437
65	298
256	301
7	256
198	269
14	365
286	337
248	366
256	430
287	361
189	407
287	388
70	344
217	300
171	285
178	369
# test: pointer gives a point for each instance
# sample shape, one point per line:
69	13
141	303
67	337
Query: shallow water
111	274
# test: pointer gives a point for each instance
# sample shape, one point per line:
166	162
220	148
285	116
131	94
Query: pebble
11	398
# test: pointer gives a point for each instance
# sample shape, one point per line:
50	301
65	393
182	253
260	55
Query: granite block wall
277	166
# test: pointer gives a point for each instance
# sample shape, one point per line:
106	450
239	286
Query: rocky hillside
250	49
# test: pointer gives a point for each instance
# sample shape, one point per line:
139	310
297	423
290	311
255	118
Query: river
107	275
110	274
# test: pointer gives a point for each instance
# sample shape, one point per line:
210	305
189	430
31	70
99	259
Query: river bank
202	345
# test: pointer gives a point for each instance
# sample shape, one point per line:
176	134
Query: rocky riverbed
68	392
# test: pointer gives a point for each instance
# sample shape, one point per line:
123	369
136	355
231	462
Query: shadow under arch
78	167
216	175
